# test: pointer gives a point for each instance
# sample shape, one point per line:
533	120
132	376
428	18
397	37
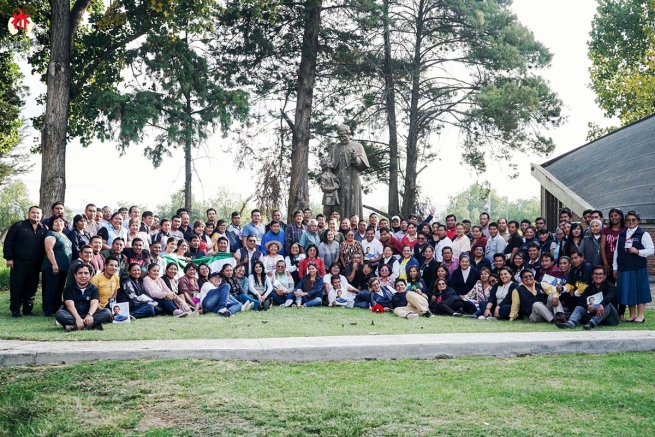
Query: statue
347	160
329	186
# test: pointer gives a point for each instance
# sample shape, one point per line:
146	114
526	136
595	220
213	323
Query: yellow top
516	299
106	287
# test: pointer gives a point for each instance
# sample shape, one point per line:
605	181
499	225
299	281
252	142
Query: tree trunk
187	154
299	183
410	201
55	120
390	94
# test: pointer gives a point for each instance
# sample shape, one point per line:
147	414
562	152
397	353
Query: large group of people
582	273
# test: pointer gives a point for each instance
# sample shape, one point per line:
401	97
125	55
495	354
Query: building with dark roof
614	171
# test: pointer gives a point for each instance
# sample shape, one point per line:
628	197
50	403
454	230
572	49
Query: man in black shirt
24	250
596	305
515	241
81	299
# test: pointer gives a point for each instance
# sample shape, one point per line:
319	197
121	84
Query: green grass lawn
277	322
564	395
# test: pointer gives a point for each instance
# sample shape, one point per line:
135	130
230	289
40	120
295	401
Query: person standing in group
609	238
631	267
58	250
24	251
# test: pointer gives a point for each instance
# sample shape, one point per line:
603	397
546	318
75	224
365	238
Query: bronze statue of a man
348	159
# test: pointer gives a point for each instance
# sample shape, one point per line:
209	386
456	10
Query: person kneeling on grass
596	305
215	297
408	305
309	290
539	301
81	304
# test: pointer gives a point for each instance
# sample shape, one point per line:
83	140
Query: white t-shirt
371	249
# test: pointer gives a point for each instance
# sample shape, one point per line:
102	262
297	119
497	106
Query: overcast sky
562	26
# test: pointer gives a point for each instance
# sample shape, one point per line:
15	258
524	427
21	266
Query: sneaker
180	313
287	304
57	323
411	316
588	326
192	313
560	317
564	325
224	312
482	318
428	314
244	306
70	328
471	316
132	318
457	314
266	305
491	318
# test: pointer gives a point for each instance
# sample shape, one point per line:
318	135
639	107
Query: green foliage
4	274
595	131
621	50
477	198
224	202
14	204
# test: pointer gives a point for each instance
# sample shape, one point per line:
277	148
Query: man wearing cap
275	233
545	240
395	224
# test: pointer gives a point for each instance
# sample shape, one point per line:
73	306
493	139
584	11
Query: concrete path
383	347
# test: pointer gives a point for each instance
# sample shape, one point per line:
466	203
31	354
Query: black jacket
609	294
23	243
457	280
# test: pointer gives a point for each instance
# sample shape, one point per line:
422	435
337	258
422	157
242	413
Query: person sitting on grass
380	296
538	301
282	283
344	294
446	300
260	286
591	312
309	290
499	304
407	304
132	291
187	286
81	304
237	282
107	281
215	297
166	299
479	294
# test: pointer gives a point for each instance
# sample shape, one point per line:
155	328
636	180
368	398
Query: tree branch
288	120
76	15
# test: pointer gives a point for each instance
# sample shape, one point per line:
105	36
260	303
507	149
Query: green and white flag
215	262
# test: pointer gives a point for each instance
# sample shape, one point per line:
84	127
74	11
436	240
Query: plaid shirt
293	235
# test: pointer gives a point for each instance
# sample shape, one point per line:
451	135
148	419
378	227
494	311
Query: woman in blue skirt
630	267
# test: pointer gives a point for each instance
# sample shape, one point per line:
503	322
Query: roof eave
564	194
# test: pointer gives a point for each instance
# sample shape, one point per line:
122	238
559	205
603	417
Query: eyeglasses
599	274
527	276
631	220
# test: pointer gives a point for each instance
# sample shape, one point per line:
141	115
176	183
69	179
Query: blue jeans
166	305
362	299
482	305
580	315
308	301
277	299
220	298
143	311
243	298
